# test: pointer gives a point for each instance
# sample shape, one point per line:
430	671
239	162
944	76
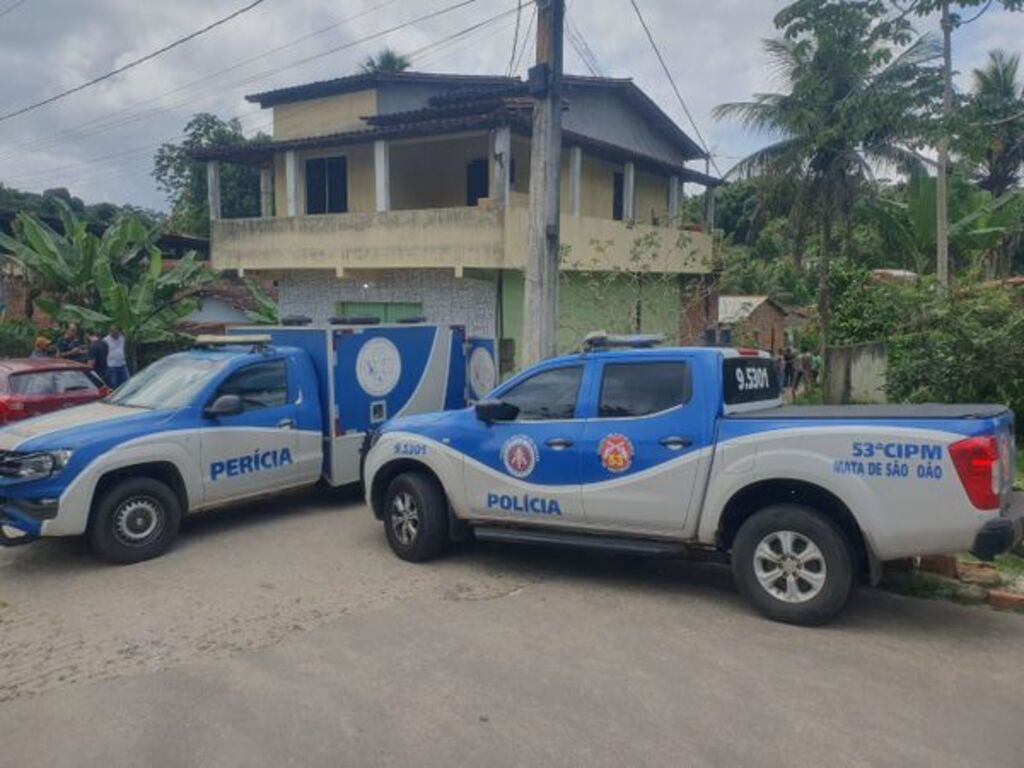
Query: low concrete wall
857	373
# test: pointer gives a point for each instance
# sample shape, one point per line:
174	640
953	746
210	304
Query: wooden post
941	180
213	188
266	191
540	294
575	180
291	180
382	175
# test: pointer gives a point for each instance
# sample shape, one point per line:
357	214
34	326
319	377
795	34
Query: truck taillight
977	462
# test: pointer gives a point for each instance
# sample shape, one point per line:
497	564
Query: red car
40	385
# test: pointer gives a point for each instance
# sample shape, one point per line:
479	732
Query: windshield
169	383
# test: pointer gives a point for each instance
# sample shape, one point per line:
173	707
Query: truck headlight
33	466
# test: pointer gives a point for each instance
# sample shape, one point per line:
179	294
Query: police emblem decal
616	452
519	455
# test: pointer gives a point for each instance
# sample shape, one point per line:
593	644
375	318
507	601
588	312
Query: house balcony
485	237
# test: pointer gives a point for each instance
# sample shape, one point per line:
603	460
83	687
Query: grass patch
931	586
1018	483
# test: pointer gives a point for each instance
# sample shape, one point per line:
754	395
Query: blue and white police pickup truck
691	452
238	417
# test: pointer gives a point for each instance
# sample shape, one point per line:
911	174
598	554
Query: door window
263	385
618	195
476	180
75	381
548	395
326	185
42	383
631	390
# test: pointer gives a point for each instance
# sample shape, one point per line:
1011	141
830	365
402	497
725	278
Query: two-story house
405	194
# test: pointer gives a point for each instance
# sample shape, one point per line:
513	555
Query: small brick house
757	321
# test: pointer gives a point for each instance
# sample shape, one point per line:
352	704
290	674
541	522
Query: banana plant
118	277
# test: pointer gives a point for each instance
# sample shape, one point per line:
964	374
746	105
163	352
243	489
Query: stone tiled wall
445	298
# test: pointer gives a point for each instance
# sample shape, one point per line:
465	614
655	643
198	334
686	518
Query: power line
581	46
131	64
526	39
114	119
672	82
430	48
515	40
12	7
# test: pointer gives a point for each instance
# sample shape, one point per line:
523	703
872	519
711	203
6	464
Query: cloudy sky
99	143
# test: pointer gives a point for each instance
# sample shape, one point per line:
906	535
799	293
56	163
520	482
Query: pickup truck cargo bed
847	412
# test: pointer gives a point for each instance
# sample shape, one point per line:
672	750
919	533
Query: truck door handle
558	443
676	443
286	423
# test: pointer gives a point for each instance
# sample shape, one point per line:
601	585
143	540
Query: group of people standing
798	371
105	355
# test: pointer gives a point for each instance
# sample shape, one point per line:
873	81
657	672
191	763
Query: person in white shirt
117	362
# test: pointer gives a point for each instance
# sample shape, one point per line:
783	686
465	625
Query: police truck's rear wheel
136	519
415	517
793	565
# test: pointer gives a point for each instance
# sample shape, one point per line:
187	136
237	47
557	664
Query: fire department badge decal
519	455
616	452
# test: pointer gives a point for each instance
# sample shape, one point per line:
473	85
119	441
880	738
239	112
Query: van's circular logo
482	375
519	455
378	366
616	452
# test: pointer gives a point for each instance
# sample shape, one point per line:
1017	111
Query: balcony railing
482	237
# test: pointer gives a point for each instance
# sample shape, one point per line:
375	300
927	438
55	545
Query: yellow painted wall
598	187
432	174
319	117
280	191
651	198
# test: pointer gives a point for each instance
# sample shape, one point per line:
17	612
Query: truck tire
135	519
416	517
793	565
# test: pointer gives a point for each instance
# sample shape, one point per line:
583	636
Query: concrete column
266	191
629	192
575	180
213	188
674	196
382	175
291	181
502	165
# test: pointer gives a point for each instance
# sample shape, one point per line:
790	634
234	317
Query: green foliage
965	345
16	336
48	205
266	312
117	277
183	178
743	272
388	60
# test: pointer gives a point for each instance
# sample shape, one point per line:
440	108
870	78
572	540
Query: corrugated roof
736	309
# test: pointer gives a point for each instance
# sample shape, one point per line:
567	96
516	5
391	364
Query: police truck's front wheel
415	517
793	564
135	519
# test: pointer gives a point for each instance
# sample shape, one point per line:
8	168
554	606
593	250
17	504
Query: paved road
291	636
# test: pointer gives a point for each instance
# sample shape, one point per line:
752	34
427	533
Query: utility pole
540	295
942	179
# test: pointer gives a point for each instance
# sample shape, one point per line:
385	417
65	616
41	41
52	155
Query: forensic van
259	411
691	452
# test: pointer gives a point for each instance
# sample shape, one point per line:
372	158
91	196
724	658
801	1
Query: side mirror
225	405
496	410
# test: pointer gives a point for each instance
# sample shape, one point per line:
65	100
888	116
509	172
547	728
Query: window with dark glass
547	396
629	390
326	185
262	385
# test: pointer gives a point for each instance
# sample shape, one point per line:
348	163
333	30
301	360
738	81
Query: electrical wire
672	82
12	7
130	64
515	40
579	43
526	39
125	116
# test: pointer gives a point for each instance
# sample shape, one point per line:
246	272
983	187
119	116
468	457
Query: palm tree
995	138
388	60
856	91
